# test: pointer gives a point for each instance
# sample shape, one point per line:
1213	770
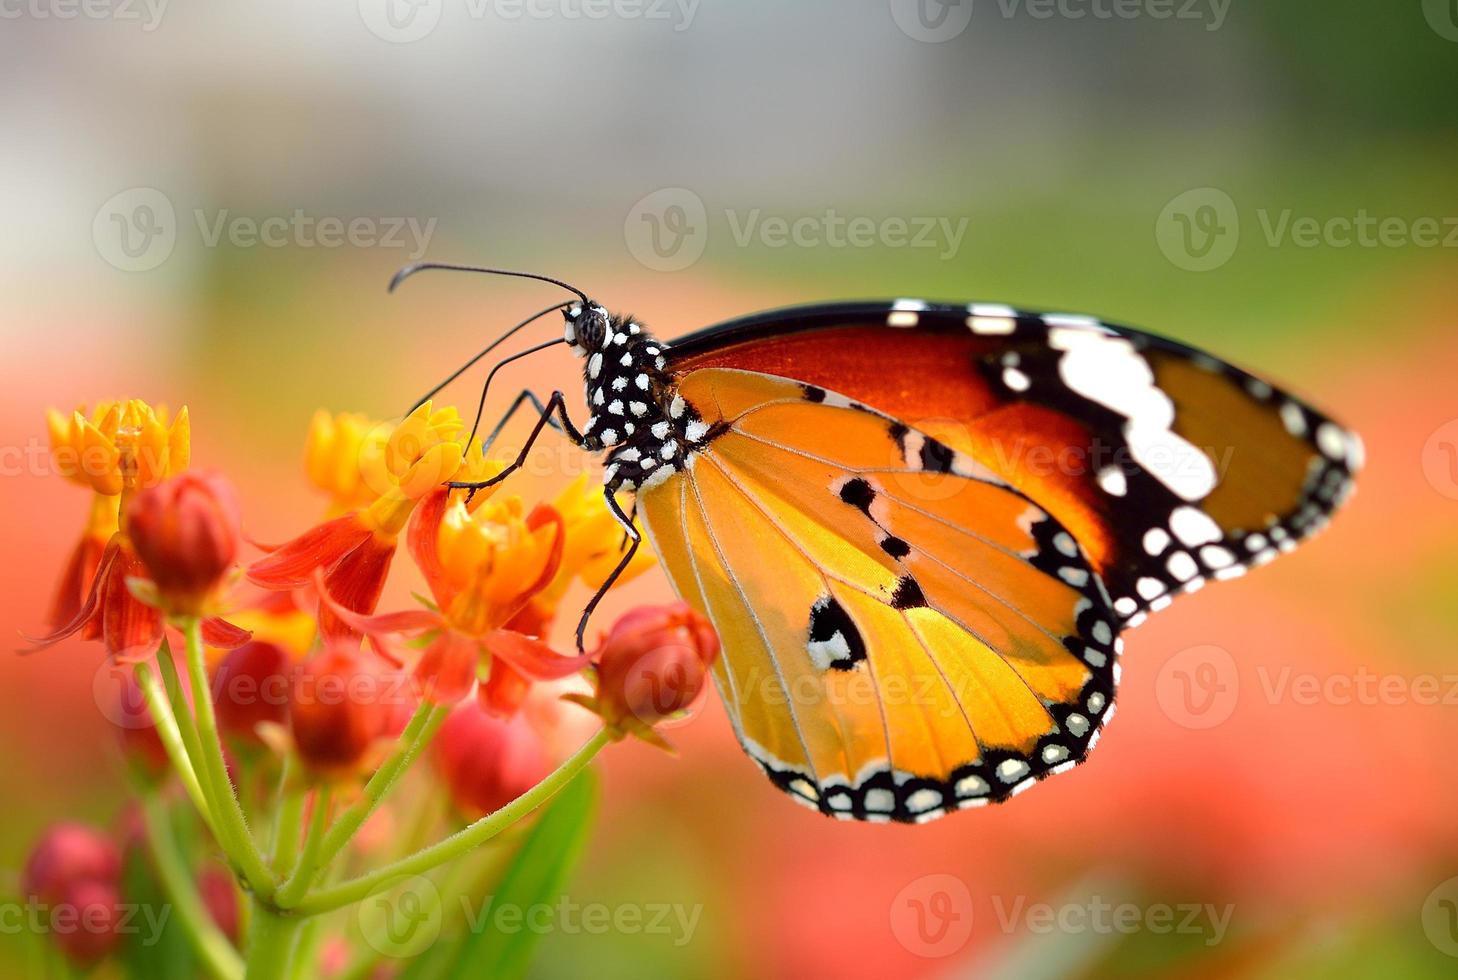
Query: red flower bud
488	761
86	922
67	853
251	686
73	871
186	531
342	701
654	665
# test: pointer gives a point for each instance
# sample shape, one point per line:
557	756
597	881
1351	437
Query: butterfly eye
591	329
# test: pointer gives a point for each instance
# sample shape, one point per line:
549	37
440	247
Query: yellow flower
420	454
341	448
121	446
491	560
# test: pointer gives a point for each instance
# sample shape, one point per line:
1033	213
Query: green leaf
536	875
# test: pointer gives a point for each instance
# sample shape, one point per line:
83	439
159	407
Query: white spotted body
636	416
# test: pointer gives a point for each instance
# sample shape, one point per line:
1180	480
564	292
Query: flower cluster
271	705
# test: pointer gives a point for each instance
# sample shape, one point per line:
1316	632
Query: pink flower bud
73	871
186	530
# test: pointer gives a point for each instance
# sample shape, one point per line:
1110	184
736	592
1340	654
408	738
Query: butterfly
920	528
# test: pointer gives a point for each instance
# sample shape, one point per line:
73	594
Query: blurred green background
1273	181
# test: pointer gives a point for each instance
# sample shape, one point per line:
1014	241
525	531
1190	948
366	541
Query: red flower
653	666
488	761
186	530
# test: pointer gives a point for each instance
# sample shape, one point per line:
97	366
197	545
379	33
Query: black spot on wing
813	393
830	625
936	457
895	547
858	493
908	594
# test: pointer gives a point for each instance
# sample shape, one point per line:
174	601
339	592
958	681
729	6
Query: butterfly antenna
410	270
484	351
481	406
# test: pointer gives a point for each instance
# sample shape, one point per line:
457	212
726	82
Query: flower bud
488	761
186	531
653	666
342	701
250	687
73	870
67	853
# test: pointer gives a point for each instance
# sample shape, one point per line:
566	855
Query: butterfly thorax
637	416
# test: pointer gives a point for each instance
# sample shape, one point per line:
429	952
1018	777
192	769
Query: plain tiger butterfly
920	528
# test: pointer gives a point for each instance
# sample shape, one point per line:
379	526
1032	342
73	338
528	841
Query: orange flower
593	546
119	447
123	449
354	552
187	530
482	566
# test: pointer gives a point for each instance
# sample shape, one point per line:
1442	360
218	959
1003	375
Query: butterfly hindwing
904	634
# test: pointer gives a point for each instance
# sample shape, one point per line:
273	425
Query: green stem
272	938
181	707
212	947
290	822
461	842
417	735
172	741
236	839
309	861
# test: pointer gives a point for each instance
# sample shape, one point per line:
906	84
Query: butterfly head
588	328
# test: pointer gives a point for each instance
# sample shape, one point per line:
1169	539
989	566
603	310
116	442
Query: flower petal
131	629
223	635
90	609
447	669
324	546
355	584
532	657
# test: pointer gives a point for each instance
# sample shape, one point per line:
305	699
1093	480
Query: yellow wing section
903	633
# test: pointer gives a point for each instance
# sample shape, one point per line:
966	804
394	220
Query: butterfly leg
634	538
526	396
556	405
